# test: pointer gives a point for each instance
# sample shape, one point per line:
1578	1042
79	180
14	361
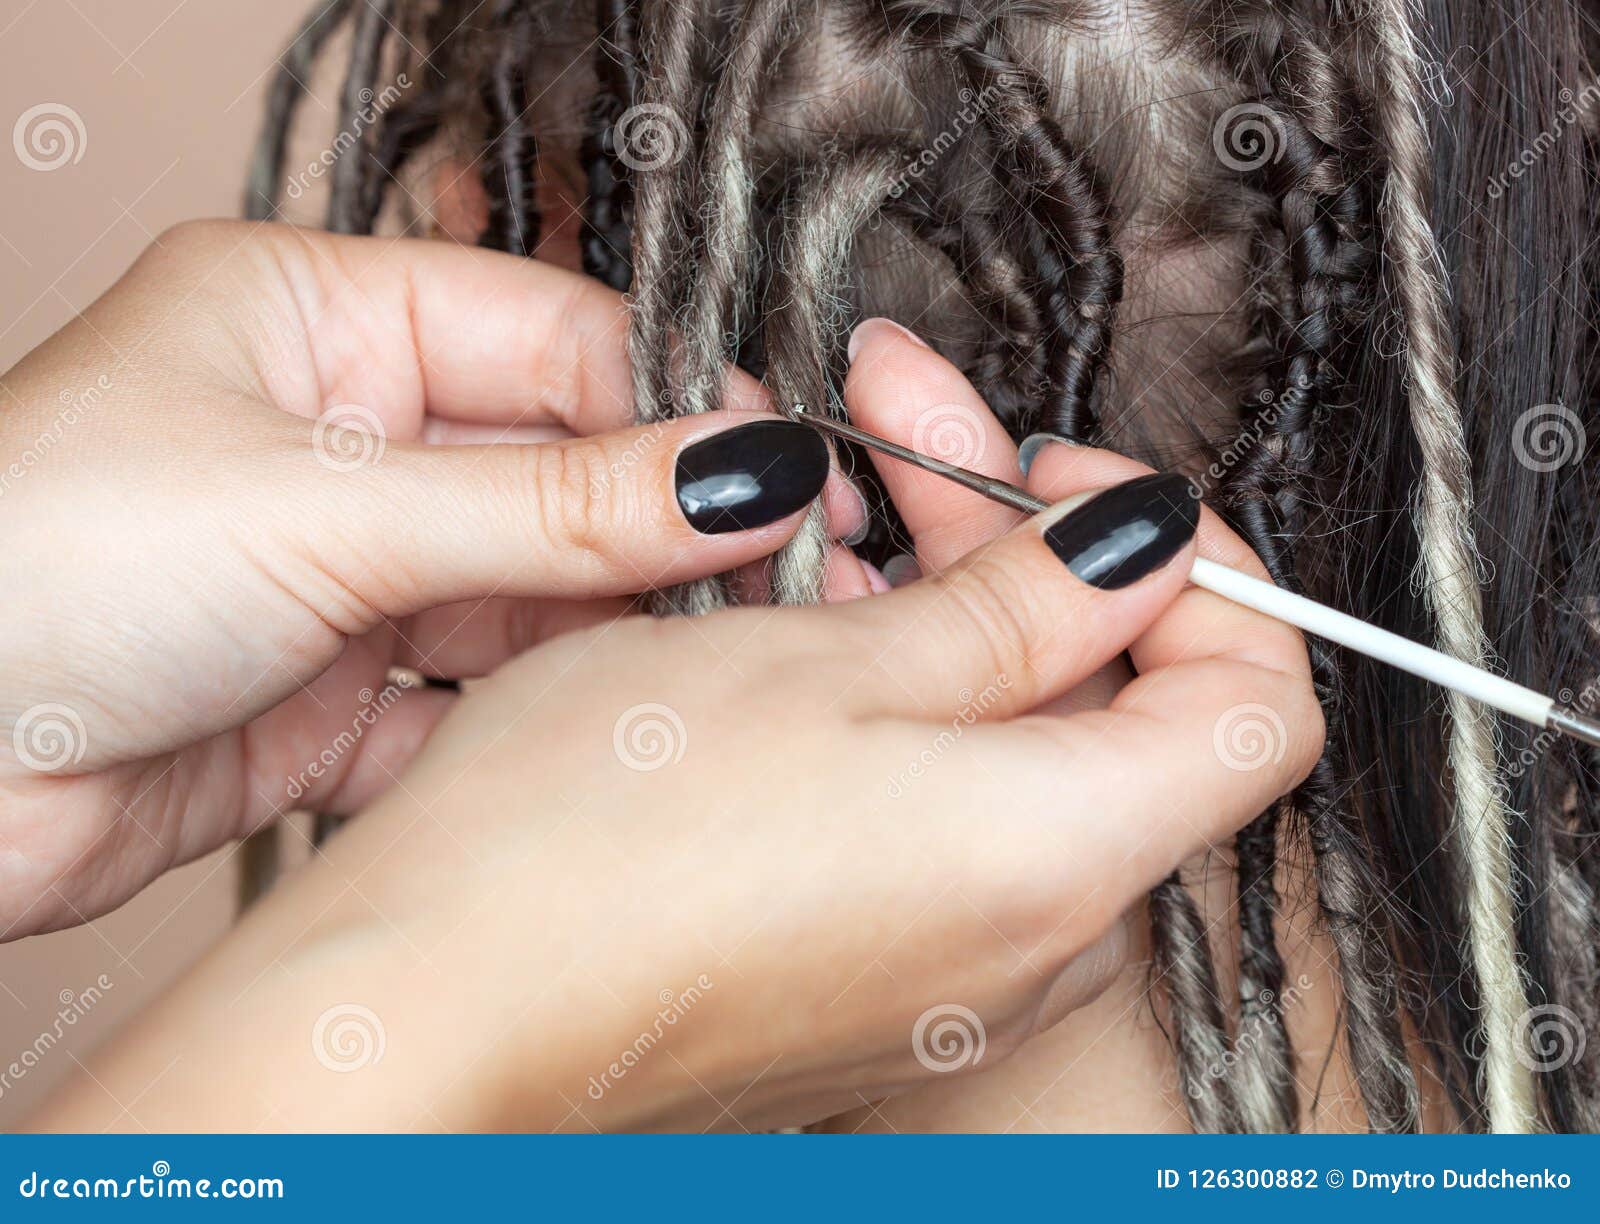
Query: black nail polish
1118	536
750	475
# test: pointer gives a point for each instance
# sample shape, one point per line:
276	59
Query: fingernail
878	584
750	475
901	570
1126	532
865	527
864	330
1033	444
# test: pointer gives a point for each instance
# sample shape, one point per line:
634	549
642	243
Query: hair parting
1004	366
1067	224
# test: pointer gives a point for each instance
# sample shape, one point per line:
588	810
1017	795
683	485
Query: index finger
900	389
471	335
1221	720
1198	624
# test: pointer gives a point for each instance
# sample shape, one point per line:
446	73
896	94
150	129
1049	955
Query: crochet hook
1274	601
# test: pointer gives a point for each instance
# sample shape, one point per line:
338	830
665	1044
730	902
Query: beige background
169	93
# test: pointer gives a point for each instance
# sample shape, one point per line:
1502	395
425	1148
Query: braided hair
1066	237
510	163
607	236
1310	276
756	176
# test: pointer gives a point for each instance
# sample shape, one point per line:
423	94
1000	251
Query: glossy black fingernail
750	476
1131	530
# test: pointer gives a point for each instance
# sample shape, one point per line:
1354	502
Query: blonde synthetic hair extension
720	297
807	316
663	240
735	181
662	191
1481	828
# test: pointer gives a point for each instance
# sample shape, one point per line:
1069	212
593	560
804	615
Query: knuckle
201	239
1302	714
1282	646
1313	735
988	603
562	478
187	235
186	259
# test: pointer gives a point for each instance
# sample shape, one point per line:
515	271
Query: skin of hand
1099	1077
744	870
251	478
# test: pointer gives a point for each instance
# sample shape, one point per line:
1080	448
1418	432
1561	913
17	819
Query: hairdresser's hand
757	868
207	579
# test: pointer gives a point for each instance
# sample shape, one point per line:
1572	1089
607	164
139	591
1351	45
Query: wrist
276	1029
556	994
394	1012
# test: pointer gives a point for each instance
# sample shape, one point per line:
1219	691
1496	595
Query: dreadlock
757	175
1310	281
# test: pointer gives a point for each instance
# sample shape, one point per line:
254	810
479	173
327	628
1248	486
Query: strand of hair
350	172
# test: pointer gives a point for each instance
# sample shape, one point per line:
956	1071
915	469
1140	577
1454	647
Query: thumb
1036	612
407	527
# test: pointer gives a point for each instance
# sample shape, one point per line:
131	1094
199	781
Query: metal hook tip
1569	722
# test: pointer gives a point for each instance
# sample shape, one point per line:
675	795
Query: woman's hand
753	869
221	528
